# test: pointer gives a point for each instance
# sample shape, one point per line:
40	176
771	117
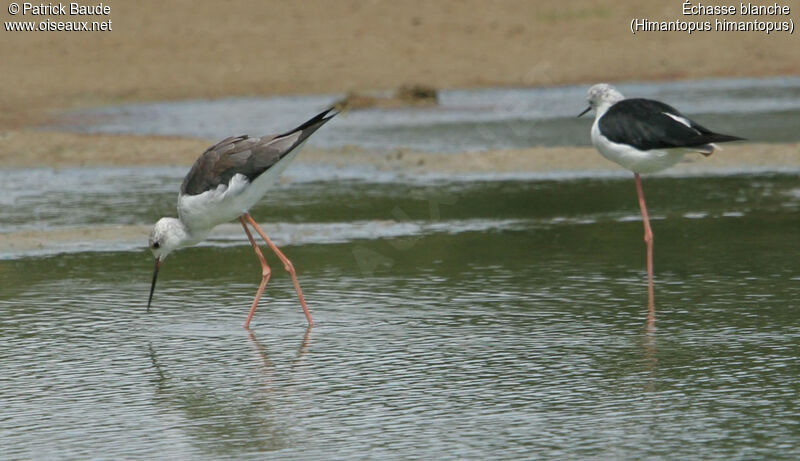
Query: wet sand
64	239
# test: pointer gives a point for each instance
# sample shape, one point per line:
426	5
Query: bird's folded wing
249	157
646	124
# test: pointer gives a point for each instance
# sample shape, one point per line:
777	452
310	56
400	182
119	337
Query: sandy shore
211	49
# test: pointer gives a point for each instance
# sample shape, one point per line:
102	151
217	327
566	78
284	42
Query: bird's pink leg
286	265
648	239
265	273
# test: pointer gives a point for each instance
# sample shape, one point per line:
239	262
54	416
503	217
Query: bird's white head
602	96
167	235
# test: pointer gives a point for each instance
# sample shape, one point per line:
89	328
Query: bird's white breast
633	159
215	206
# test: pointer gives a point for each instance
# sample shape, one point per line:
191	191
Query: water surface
455	319
759	109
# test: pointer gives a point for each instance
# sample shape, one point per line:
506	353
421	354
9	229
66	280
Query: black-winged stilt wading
645	136
227	180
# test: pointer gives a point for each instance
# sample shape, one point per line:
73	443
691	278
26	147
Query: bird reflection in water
268	366
650	350
224	405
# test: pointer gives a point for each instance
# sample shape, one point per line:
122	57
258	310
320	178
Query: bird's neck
183	235
602	109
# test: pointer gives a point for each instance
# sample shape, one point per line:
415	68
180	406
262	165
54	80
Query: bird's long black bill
582	113
153	285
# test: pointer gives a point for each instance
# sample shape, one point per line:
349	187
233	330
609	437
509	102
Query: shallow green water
455	319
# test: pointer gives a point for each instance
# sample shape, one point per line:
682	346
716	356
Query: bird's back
246	156
219	186
646	124
233	155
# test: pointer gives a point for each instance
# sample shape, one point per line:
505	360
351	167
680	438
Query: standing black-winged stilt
645	136
224	183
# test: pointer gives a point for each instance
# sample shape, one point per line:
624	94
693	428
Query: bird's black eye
156	245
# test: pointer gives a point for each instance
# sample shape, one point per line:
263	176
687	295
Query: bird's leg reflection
651	317
650	352
259	348
649	341
650	336
262	351
301	351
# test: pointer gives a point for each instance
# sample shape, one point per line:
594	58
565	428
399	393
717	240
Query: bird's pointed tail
310	126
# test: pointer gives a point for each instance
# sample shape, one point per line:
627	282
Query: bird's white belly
633	159
226	203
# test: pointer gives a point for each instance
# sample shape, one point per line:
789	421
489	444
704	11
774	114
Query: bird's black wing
247	156
645	125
